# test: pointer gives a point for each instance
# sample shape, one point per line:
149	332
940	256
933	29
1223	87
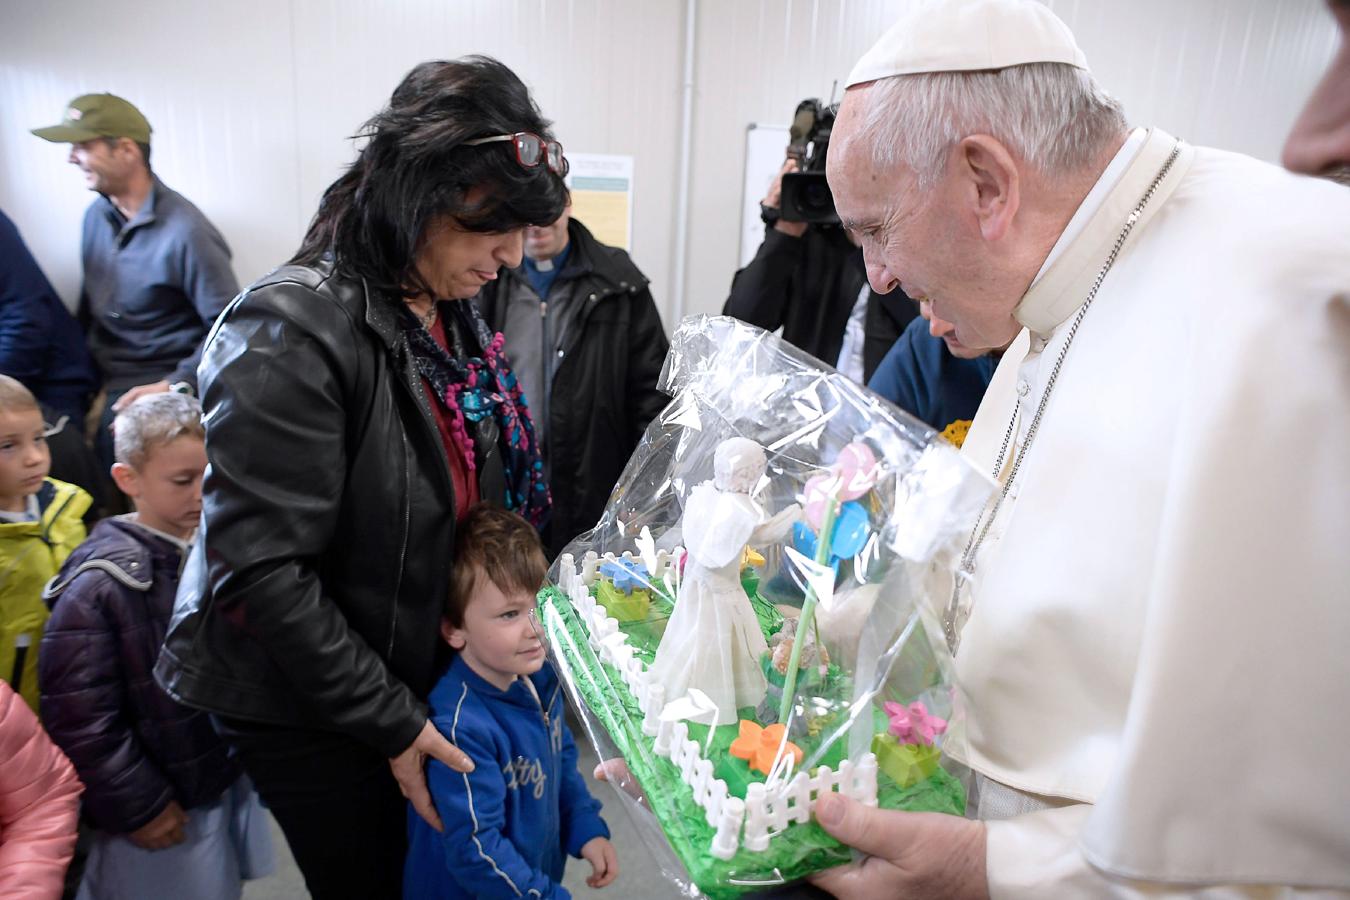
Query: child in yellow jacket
40	523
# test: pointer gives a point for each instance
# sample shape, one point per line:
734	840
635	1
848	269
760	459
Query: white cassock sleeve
1037	855
1229	778
1241	685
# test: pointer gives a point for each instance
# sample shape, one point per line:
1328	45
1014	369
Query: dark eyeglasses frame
548	153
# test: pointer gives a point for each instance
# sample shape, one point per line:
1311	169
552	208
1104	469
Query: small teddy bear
812	653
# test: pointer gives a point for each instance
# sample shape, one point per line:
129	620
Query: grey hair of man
1054	116
155	420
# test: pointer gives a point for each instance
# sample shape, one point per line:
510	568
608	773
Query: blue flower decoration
628	575
851	528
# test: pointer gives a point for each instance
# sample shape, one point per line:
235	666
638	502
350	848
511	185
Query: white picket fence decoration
768	810
765	811
590	565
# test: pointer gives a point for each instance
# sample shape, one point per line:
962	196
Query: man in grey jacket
156	271
585	340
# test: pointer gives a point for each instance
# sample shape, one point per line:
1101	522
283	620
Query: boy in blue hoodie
509	822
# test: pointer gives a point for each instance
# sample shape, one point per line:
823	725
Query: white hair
153	421
1054	116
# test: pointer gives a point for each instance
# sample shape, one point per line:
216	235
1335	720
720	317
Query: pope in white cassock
1151	622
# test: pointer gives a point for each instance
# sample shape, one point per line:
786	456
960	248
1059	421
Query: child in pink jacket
39	805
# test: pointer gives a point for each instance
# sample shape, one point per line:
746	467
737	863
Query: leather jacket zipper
410	384
403	544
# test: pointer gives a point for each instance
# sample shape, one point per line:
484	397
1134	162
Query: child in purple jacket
174	814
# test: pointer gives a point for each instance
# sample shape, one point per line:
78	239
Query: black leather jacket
314	592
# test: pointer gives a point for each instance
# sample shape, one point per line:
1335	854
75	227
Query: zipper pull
539	701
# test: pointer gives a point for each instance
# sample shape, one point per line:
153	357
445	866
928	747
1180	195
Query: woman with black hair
355	405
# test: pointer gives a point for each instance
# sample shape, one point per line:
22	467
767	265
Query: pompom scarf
472	388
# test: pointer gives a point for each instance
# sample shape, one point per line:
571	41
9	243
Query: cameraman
809	280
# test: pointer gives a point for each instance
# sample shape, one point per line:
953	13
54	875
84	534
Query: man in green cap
156	271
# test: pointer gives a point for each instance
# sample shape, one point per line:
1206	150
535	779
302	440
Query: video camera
806	195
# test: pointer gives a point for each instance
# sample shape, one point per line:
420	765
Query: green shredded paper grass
793	854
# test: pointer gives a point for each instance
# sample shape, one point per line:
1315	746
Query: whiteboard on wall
765	150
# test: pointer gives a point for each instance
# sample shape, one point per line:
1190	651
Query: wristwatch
182	387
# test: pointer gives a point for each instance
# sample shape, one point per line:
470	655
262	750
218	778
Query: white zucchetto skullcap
969	35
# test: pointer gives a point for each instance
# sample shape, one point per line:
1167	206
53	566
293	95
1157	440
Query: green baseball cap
98	115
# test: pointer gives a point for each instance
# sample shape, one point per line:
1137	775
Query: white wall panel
204	74
253	102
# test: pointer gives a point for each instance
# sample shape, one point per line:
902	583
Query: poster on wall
765	150
602	196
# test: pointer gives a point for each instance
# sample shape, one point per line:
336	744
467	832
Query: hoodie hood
121	549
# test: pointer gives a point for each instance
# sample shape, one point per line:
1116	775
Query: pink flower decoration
854	473
912	724
857	470
817	491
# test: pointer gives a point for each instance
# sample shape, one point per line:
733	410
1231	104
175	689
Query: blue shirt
509	822
920	375
40	343
153	286
542	281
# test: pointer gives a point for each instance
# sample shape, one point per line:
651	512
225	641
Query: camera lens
807	198
816	200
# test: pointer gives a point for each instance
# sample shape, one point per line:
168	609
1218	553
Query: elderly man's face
1320	141
940	328
925	242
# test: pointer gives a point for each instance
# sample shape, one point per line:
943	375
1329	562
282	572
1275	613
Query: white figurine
713	641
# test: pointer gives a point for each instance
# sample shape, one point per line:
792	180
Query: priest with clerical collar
1149	622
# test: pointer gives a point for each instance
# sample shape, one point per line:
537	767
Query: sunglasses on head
531	150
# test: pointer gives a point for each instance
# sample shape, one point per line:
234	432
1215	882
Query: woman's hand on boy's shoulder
410	769
600	853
